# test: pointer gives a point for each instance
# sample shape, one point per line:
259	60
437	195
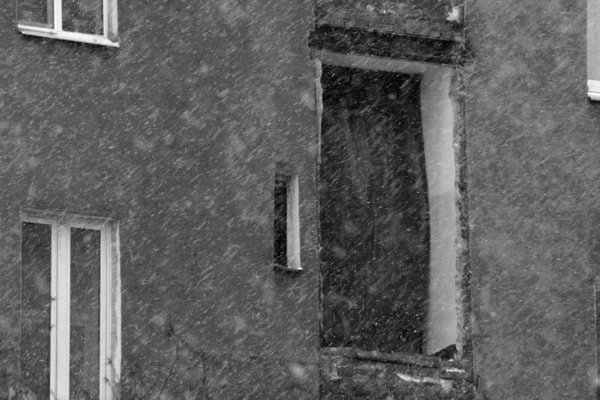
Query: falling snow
447	197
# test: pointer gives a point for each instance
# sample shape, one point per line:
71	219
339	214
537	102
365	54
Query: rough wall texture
347	377
176	134
355	378
533	200
429	18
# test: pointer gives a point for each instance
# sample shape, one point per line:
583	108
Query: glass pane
35	302
83	16
280	219
374	222
85	314
36	12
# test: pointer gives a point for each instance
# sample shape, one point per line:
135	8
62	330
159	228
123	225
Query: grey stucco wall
533	200
176	135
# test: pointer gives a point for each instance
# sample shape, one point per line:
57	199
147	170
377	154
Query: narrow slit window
593	50
286	229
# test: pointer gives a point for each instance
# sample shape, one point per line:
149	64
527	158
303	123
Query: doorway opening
388	223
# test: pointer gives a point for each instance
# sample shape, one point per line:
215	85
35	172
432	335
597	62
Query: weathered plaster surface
533	200
347	378
176	135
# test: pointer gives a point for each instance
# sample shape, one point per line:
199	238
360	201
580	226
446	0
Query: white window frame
292	218
593	50
110	300
55	31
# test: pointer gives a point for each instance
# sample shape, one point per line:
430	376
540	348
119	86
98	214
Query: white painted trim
70	36
63	249
57	23
112	25
105	6
596	290
39	29
114	332
593	45
437	118
53	309
293	224
110	299
318	103
104	334
373	62
109	35
594	90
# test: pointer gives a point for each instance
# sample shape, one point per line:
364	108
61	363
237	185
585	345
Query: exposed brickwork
176	135
347	378
357	41
533	154
405	18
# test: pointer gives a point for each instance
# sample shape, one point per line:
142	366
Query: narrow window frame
593	50
596	288
110	299
55	30
284	171
457	262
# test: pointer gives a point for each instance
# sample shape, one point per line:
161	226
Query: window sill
353	372
593	90
70	36
452	367
286	268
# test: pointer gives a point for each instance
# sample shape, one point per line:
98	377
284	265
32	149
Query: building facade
306	199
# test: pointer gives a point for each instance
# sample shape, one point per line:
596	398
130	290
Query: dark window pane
282	183
36	11
374	222
85	314
83	16
35	324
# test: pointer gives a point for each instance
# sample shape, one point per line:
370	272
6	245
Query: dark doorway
373	211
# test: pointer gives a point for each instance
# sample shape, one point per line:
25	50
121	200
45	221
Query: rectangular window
593	49
286	226
88	21
387	206
70	299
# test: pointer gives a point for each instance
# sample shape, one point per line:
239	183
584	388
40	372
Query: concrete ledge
344	377
433	20
412	48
